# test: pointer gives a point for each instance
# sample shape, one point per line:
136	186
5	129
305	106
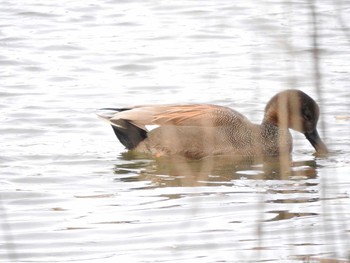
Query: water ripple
70	191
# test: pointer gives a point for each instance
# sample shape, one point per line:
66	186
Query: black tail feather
116	109
128	134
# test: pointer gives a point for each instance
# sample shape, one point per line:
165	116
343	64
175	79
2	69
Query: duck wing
176	115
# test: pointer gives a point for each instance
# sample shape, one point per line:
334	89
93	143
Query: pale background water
68	191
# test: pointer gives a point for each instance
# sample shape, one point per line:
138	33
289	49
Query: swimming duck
199	130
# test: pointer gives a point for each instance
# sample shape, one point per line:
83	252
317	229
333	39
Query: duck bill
316	142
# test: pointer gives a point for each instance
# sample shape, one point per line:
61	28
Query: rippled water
70	192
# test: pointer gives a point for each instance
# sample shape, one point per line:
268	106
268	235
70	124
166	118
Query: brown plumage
199	130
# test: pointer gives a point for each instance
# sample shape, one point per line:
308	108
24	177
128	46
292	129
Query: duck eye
307	114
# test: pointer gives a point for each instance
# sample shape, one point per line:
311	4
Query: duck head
296	110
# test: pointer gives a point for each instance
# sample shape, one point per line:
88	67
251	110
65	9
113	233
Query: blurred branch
316	56
7	233
315	47
341	20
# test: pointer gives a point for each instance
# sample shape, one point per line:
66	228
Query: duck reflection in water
213	170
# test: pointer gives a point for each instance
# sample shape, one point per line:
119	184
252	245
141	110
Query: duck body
233	139
199	130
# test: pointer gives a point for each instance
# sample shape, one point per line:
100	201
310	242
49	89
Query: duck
196	131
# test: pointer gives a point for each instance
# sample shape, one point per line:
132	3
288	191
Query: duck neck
275	139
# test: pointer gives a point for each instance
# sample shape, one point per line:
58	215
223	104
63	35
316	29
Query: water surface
70	192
